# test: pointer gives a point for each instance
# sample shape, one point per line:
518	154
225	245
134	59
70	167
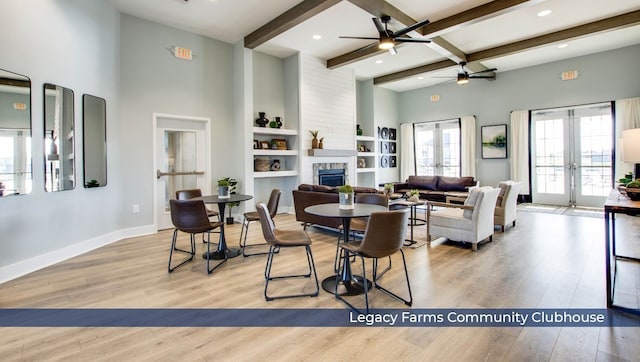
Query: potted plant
230	185
388	189
413	195
633	190
314	141
346	197
223	188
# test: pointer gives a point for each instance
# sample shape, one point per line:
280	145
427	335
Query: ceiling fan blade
411	28
357	37
485	71
412	40
378	25
482	77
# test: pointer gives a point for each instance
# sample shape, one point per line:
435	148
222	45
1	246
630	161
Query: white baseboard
30	265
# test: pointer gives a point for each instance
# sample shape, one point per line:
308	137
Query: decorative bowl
633	193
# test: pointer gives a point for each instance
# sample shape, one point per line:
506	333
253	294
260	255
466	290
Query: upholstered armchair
505	213
471	222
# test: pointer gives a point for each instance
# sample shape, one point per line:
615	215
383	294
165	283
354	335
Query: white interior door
572	150
181	161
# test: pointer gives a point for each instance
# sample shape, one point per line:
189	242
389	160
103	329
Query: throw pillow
471	201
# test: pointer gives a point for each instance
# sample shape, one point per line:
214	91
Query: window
437	148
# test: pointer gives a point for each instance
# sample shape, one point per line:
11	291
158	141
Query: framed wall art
494	141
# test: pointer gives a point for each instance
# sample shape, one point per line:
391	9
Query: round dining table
223	252
345	283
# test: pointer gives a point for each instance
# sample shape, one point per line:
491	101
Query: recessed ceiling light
544	13
317	36
420	78
378	61
564	45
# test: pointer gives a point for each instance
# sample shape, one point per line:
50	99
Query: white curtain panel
520	149
468	146
407	156
627	117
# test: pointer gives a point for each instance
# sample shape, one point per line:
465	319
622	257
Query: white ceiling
231	20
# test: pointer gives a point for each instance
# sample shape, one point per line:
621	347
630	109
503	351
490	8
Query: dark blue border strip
169	317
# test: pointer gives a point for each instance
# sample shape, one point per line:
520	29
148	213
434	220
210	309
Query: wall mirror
94	133
59	165
15	134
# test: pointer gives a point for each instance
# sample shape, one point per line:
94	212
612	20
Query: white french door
572	155
437	146
181	149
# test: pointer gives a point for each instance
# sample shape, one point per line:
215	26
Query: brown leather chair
383	237
272	205
279	239
190	216
359	224
193	193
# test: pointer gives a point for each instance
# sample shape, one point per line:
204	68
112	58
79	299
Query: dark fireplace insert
332	177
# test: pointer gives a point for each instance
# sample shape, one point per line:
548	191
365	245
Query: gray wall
33	34
153	80
603	77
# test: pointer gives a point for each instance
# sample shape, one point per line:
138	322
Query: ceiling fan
463	76
387	39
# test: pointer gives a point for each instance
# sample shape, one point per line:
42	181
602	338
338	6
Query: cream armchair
471	222
506	205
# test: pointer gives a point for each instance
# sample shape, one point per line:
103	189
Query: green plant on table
345	189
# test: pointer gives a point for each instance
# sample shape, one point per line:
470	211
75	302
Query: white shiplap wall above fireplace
327	104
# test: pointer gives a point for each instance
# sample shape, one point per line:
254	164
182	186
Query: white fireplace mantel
323	152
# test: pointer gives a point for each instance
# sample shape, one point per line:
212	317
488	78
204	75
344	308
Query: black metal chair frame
192	242
376	278
274	200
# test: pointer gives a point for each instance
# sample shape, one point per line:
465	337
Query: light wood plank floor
546	261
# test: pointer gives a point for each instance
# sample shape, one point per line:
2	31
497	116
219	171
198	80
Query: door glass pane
451	151
550	156
180	156
425	149
595	155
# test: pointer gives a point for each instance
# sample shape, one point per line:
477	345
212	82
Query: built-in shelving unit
287	158
367	151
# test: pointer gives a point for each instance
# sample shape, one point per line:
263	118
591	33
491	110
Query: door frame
207	155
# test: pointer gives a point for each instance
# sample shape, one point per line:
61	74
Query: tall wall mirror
15	134
59	165
94	132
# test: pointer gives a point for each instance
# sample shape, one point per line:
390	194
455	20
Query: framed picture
392	161
494	141
392	134
384	133
384	147
392	147
256	144
384	161
264	145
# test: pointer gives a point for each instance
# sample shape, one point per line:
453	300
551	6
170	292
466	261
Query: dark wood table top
333	210
214	199
616	202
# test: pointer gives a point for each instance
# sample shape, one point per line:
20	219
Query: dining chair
383	237
282	239
193	193
272	205
359	224
190	216
507	203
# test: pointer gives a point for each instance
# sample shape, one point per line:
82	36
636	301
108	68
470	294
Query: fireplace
331	177
331	173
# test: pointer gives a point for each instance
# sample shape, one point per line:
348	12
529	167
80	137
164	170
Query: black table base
354	286
219	254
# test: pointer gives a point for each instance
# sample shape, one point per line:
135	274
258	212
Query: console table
616	204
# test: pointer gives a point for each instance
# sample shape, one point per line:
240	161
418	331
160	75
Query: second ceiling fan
387	39
463	76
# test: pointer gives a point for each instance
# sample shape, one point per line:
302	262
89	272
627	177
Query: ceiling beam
287	20
378	8
608	24
615	22
465	18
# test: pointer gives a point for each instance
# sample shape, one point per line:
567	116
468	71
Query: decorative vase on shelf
275	123
314	142
358	130
320	144
262	120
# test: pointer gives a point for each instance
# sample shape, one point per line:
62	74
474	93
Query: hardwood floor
546	261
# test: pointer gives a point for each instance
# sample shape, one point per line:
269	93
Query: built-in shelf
324	152
275	152
366	169
265	174
275	131
365	138
364	154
